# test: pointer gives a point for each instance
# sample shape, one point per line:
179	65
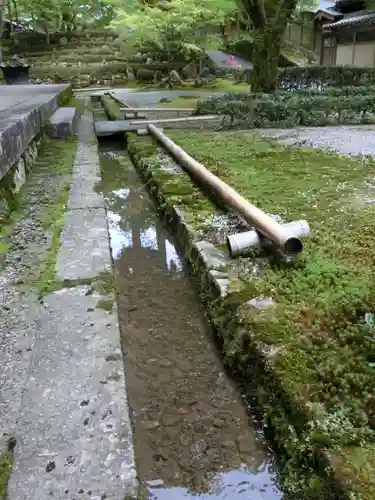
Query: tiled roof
352	20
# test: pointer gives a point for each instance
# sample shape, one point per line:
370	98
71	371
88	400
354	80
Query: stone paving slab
84	249
19	327
83	194
74	435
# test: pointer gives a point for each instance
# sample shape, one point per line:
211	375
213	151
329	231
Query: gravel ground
19	306
354	141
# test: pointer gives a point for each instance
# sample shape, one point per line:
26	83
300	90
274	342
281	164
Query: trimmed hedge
289	109
321	76
164	67
338	91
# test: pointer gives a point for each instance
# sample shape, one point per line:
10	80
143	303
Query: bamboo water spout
268	227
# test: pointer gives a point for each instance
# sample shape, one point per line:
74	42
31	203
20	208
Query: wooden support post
174	120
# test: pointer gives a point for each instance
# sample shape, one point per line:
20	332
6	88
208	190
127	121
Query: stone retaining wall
11	184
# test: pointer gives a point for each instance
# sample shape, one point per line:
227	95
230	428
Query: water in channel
192	435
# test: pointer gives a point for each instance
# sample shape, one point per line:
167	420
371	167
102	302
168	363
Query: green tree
269	19
173	26
43	14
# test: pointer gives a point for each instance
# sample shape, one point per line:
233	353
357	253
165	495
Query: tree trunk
1	22
15	8
10	18
265	58
47	34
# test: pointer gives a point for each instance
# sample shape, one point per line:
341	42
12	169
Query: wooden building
345	34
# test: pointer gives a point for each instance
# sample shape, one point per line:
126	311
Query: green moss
6	460
72	102
105	283
356	468
55	223
7	188
60	155
52	154
112	108
65	95
105	304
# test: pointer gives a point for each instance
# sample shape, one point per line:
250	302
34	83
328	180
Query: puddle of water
193	437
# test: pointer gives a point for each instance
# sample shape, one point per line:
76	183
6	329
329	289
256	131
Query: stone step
62	124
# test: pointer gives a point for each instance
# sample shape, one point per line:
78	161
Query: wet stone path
192	435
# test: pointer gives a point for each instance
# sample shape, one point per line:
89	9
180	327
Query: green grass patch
323	326
6	460
53	222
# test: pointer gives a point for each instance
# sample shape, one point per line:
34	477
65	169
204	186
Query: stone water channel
193	435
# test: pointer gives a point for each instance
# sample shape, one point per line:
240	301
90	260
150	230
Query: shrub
335	91
288	109
321	76
165	68
145	75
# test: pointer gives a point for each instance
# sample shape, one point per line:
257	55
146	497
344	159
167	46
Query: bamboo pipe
288	243
239	244
176	120
146	110
119	101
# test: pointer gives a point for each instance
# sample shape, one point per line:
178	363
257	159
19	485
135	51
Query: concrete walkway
62	387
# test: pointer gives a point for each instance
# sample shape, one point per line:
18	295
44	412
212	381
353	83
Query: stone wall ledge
22	121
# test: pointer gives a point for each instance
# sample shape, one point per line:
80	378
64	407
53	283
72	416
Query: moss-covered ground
321	331
5	470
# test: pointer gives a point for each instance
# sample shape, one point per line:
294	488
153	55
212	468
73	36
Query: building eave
352	21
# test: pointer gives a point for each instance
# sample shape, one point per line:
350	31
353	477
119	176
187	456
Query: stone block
19	177
212	257
62	123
